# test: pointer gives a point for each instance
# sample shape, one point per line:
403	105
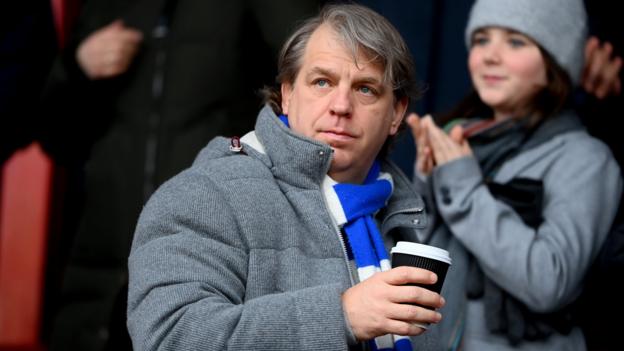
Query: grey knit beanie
558	26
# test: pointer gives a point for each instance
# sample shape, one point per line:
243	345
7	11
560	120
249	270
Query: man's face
346	106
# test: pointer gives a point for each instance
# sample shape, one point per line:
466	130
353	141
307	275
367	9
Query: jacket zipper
160	35
344	250
343	245
151	147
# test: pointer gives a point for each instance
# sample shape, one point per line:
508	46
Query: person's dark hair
548	102
361	30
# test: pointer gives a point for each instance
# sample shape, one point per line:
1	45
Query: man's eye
321	83
367	90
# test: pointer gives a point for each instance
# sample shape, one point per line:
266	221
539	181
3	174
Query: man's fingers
410	294
412	313
409	275
398	327
371	310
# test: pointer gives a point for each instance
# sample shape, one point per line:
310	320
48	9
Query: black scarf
492	146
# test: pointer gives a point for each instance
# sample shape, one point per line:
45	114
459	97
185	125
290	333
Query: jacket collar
293	158
303	162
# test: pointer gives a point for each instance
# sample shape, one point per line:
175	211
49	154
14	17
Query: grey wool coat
239	252
544	268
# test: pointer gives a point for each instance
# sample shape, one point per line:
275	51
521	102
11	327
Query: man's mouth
337	135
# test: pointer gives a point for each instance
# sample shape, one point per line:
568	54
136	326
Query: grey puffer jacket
239	252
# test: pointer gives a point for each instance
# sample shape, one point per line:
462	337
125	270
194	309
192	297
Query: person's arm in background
600	113
76	96
109	51
602	68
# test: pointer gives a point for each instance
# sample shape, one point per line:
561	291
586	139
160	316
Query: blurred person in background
142	86
516	178
434	31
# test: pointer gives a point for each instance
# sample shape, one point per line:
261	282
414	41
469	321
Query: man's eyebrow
316	70
321	71
368	80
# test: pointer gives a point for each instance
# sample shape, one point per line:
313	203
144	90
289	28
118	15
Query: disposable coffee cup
428	257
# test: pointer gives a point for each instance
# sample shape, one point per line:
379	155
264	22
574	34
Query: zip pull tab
235	144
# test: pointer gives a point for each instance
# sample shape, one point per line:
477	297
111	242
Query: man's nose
341	104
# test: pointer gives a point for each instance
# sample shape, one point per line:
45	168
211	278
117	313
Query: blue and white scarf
353	206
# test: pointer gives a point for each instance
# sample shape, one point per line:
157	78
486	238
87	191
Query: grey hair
360	28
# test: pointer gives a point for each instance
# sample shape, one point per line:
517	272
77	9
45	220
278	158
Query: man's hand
381	304
108	51
601	72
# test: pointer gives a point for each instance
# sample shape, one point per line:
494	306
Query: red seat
24	216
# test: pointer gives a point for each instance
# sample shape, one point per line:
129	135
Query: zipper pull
235	144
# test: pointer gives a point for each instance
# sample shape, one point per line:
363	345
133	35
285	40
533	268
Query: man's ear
399	113
286	90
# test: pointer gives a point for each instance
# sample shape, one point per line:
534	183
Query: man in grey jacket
280	241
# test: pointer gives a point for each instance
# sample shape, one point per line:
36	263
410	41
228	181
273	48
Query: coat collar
303	163
298	160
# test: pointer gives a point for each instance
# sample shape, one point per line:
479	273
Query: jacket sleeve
188	270
542	267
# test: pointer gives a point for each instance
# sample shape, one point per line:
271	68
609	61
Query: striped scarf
352	206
